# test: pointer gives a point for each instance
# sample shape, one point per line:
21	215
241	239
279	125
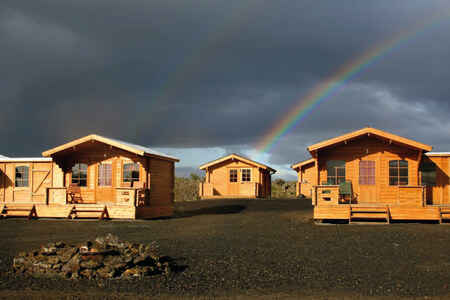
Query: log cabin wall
306	179
439	194
379	151
93	154
161	182
38	176
219	178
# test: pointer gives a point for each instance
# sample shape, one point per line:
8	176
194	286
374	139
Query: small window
104	174
79	174
246	175
428	173
335	171
398	172
22	176
233	175
367	172
130	172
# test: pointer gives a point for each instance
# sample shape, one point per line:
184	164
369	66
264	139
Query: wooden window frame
232	176
367	175
131	179
336	179
249	177
427	172
22	180
78	179
398	176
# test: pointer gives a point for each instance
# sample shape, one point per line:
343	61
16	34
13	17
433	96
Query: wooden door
233	184
41	180
104	190
367	182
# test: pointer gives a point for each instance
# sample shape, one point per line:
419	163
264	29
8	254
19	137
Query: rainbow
336	82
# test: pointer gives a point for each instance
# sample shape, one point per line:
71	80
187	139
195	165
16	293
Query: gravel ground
242	249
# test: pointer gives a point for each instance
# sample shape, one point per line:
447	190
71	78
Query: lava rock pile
106	257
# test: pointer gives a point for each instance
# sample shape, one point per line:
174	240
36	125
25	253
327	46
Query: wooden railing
56	195
325	195
411	195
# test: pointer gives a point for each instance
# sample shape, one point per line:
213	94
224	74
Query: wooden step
88	212
444	214
18	210
369	212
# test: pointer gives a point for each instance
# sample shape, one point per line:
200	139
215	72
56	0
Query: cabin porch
406	203
129	203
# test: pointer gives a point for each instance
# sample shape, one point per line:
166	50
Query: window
130	172
367	172
335	171
233	175
79	174
428	173
398	172
104	174
22	175
246	175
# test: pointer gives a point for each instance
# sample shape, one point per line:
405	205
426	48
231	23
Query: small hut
372	174
91	177
234	176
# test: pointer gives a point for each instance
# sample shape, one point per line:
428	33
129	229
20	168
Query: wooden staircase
444	214
89	212
18	210
370	213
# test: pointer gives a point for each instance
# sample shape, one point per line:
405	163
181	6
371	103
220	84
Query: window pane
393	172
331	171
393	163
341	172
403	172
340	164
403	163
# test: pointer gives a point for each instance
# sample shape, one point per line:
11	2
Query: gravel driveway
268	249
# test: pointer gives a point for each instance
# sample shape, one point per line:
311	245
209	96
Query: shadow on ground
214	210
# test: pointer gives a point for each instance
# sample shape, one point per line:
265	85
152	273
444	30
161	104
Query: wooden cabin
372	174
92	177
234	176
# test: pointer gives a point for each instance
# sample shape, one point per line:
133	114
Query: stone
130	272
106	257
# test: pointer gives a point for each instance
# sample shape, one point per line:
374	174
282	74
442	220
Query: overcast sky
200	79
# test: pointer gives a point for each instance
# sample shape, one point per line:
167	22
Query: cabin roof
137	149
25	159
303	163
238	157
369	131
437	154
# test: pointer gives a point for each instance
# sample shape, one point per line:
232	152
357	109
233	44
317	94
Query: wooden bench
100	212
18	210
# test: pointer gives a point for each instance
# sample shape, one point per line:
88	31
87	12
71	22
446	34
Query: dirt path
248	248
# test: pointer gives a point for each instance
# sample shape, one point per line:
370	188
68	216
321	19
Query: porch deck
389	212
85	211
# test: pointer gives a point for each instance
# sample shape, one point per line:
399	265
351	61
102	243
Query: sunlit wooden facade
234	176
90	177
371	174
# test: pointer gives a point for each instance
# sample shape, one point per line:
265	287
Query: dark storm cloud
214	73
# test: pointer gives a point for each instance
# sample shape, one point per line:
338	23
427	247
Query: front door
367	183
41	180
233	184
104	192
